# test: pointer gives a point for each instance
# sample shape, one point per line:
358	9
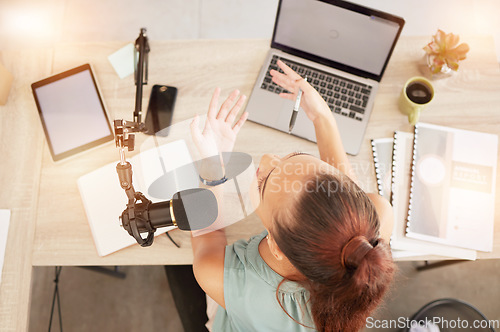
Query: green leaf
452	65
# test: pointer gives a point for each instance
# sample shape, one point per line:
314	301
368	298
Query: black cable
56	297
168	235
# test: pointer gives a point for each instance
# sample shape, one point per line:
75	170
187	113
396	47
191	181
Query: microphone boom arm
141	71
141	215
135	216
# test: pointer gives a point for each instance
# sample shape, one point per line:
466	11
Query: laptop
342	48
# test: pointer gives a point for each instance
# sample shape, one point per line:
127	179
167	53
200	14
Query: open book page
104	200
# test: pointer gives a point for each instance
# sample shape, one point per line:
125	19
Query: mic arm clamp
136	213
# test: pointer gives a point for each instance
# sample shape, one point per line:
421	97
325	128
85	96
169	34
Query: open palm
219	133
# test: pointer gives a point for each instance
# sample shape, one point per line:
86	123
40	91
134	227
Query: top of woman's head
331	235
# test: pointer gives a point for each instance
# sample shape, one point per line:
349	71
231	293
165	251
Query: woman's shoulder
243	252
243	266
385	214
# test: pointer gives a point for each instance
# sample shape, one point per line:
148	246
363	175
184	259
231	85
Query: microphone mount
136	212
141	215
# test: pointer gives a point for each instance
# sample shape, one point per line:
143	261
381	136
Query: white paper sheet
4	232
123	61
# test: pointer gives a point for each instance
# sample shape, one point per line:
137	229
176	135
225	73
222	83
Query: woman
323	262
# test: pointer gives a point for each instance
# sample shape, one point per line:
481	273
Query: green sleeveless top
250	294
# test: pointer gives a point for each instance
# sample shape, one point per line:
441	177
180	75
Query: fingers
288	71
212	108
237	126
290	80
195	129
226	105
283	80
208	129
290	96
236	108
227	112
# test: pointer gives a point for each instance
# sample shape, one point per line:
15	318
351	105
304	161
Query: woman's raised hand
219	133
312	103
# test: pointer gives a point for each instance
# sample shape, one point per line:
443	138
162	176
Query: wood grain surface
48	223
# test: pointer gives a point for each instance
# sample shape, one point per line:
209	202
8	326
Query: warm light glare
26	21
431	170
29	24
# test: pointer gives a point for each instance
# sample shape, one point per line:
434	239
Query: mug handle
413	116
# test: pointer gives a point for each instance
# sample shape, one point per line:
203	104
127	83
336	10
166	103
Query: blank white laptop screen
338	34
72	112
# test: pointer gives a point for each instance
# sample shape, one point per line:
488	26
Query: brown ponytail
332	238
354	251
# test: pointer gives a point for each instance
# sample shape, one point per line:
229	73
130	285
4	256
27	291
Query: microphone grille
194	209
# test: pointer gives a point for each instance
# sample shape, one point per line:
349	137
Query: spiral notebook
401	172
382	159
382	149
452	198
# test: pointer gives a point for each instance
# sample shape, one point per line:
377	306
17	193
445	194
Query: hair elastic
362	248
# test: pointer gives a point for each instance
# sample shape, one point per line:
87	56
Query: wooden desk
21	146
469	100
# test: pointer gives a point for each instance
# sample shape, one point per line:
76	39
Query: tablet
72	112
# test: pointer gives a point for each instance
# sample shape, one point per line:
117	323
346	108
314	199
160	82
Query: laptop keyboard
344	97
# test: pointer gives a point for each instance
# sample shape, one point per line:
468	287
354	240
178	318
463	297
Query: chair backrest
451	315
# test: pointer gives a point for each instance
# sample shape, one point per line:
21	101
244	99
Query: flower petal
461	50
440	39
452	40
438	61
431	48
457	54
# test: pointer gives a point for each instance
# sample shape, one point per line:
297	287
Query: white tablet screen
72	113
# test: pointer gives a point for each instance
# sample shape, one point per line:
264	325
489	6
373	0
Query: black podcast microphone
190	210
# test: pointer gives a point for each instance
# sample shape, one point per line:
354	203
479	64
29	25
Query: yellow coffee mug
416	95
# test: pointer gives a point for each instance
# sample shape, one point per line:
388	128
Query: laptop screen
347	35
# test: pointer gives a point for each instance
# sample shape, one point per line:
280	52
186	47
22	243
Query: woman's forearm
208	263
330	145
211	169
